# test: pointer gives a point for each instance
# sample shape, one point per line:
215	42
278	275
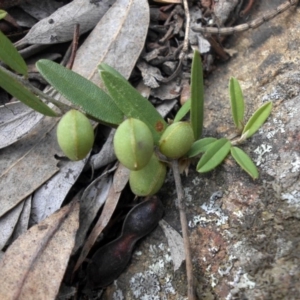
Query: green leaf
82	92
200	146
111	70
214	155
244	161
237	103
197	95
10	56
184	109
257	119
16	89
3	14
133	104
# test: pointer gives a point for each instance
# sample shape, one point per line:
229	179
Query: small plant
142	133
147	127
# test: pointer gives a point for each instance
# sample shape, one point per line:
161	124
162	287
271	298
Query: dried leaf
17	120
59	27
23	221
49	197
27	164
151	75
175	242
34	265
41	9
121	179
8	223
107	153
108	210
92	199
117	41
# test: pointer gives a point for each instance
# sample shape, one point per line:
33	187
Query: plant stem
183	221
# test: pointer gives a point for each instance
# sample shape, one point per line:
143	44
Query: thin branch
187	30
184	226
74	47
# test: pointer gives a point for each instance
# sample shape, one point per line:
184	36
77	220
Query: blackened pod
109	262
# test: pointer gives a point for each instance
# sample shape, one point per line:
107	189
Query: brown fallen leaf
34	265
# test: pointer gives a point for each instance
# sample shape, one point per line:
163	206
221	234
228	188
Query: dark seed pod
109	262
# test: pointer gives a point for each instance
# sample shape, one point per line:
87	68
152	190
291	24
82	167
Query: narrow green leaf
184	109
16	89
133	104
200	146
197	95
258	119
10	56
3	14
244	161
237	103
82	92
214	155
109	69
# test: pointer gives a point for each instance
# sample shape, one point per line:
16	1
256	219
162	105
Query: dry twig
183	222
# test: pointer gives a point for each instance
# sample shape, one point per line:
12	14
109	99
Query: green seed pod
133	143
149	180
75	135
176	140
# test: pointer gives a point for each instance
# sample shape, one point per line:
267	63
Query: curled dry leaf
35	263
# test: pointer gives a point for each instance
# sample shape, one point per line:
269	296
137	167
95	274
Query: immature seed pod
75	135
149	180
133	143
176	140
